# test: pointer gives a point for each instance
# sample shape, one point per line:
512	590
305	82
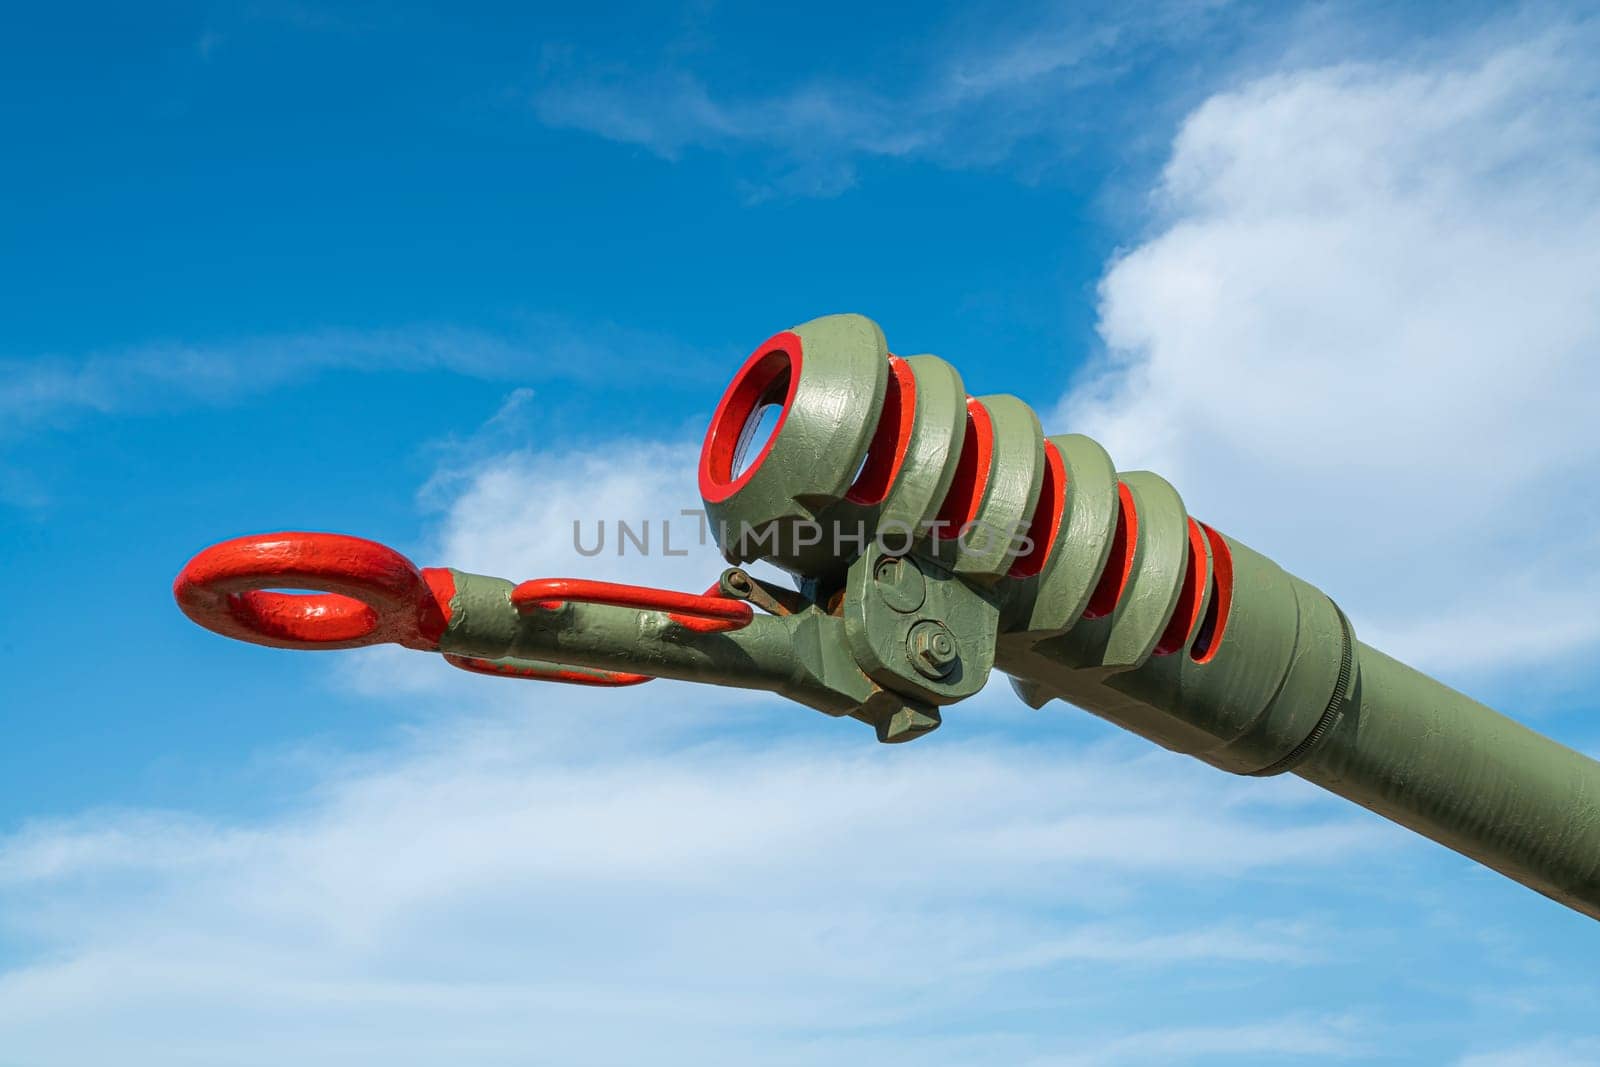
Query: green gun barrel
1100	590
935	537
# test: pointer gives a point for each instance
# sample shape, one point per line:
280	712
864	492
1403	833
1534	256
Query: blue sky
450	279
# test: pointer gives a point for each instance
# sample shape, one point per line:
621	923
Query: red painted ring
368	594
778	354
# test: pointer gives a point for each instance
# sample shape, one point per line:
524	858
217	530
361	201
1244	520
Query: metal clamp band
1330	714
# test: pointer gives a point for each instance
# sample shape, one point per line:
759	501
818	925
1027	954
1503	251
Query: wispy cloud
1298	1037
684	879
974	95
538	874
487	892
1553	1052
667	876
165	375
65	393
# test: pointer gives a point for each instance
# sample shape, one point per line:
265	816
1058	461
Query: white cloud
512	515
1554	1052
480	896
588	879
562	876
1365	338
515	515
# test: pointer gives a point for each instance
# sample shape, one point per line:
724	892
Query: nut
932	649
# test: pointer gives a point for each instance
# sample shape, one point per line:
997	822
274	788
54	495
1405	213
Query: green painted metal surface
933	539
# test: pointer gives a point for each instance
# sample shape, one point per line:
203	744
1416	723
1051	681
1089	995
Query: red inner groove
1209	639
1187	613
965	498
1119	566
1046	523
773	368
886	454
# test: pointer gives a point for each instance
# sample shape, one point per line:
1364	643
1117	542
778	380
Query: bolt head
932	649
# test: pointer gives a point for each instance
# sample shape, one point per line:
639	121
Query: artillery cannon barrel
1097	588
936	537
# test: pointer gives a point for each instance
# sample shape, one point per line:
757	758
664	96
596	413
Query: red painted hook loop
542	672
701	613
368	594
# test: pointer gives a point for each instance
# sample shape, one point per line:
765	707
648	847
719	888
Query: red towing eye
372	594
369	594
